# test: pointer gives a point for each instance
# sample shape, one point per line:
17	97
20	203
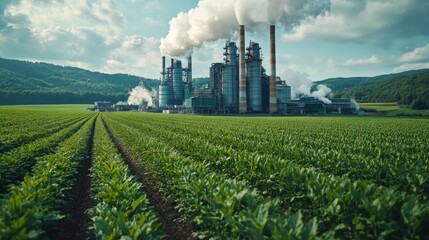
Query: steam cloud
357	106
212	20
140	95
301	85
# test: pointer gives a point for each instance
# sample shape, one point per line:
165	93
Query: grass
50	107
378	109
392	109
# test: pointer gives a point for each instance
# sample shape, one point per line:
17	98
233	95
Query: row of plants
352	208
15	136
221	207
17	118
377	150
17	162
32	207
122	210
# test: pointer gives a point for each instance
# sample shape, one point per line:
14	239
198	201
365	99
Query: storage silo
283	93
254	78
177	82
164	93
164	88
230	77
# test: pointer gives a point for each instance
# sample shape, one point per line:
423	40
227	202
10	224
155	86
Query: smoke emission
140	95
301	85
212	20
357	106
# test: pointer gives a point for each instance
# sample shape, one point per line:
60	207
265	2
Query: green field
49	107
150	176
391	109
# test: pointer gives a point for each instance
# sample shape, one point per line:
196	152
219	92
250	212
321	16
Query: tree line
411	90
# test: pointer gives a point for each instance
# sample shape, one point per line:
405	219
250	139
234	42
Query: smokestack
189	69
163	69
242	81
273	76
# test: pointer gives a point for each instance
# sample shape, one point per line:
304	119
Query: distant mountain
24	82
411	89
336	84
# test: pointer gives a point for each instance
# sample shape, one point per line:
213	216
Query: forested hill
24	82
411	90
336	84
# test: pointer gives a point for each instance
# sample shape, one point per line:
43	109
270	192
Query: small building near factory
103	106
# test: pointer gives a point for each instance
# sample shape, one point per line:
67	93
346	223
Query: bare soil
165	210
74	225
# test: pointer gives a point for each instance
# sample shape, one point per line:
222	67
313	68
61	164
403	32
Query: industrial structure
238	85
176	84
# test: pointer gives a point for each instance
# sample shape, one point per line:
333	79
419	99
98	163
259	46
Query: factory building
175	85
239	85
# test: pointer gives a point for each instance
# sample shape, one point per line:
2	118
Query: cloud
212	20
153	5
152	21
420	54
415	59
358	62
375	22
410	66
136	55
63	30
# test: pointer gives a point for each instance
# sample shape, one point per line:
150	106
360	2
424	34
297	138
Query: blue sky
316	39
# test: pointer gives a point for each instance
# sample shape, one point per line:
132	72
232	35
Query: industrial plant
239	85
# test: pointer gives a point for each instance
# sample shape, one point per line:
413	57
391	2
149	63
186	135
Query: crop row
14	164
14	118
221	207
16	136
121	210
354	209
30	208
370	150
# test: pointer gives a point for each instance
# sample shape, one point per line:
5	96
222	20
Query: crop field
75	174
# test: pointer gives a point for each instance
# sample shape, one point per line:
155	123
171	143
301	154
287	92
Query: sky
317	39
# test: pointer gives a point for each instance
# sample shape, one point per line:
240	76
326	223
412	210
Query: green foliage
222	208
339	84
40	83
42	135
349	172
121	210
411	90
200	82
31	207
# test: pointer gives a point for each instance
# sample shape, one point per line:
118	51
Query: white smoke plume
140	95
321	93
357	106
213	19
121	103
301	85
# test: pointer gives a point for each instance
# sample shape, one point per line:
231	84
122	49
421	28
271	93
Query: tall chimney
242	74
273	76
163	69
189	76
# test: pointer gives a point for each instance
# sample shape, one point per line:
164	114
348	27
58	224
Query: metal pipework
242	82
163	69
189	76
273	92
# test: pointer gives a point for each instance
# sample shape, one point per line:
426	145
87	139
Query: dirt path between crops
74	225
165	210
